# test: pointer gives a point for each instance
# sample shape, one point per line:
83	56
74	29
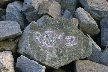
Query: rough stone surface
13	13
8	46
9	29
51	8
104	57
69	5
30	9
27	65
6	62
96	52
89	66
67	14
86	23
97	8
75	21
104	32
55	43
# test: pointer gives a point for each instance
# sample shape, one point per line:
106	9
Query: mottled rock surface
86	23
55	43
97	8
8	46
89	66
9	29
104	32
67	14
13	13
6	62
51	8
27	65
75	21
96	51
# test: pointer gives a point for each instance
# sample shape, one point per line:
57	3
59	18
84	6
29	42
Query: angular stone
89	66
67	14
13	13
104	57
6	62
96	51
98	9
86	23
104	32
27	65
8	46
9	29
51	8
69	5
30	9
55	43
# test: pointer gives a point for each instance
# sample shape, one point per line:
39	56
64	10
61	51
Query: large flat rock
55	43
9	29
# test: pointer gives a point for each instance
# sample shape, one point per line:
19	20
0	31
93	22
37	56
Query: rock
69	5
67	14
2	14
30	9
3	3
96	51
89	66
36	44
6	62
104	57
58	70
104	32
8	46
86	23
13	13
27	65
51	8
9	29
97	8
75	21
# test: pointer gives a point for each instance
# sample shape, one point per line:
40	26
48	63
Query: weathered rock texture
13	13
89	66
86	23
27	65
9	29
51	8
8	46
104	32
55	43
67	14
97	8
6	62
96	52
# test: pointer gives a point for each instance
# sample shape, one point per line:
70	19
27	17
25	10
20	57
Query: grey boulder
27	65
97	8
9	29
67	14
86	23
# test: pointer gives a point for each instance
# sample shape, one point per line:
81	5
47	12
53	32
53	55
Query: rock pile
53	36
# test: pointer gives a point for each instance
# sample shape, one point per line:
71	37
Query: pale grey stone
96	51
86	23
9	29
75	21
51	8
97	8
36	42
6	62
13	13
89	66
27	65
104	32
67	14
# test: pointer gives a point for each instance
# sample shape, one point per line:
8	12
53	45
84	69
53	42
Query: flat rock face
8	46
86	23
51	8
6	62
13	13
97	8
96	52
89	66
104	32
55	43
9	29
27	65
